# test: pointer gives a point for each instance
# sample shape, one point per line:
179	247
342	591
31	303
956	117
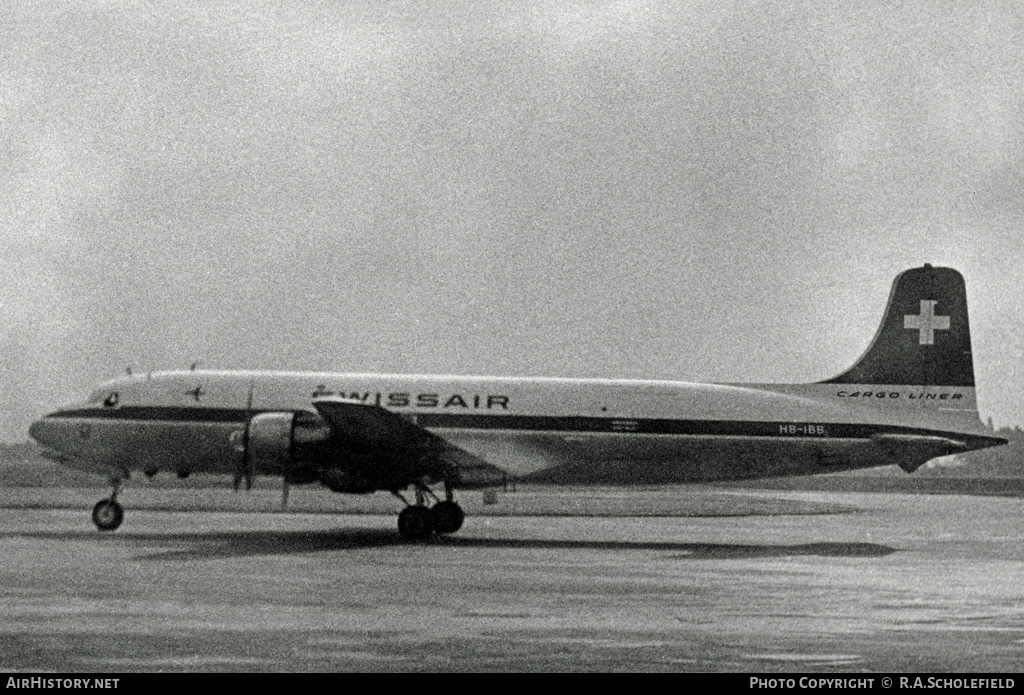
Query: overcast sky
702	191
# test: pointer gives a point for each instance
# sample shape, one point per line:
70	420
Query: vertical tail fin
924	339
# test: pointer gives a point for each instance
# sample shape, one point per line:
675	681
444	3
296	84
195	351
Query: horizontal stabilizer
911	451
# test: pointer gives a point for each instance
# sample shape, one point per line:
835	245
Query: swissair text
419	400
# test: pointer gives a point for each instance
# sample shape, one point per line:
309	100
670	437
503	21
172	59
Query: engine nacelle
277	443
298	446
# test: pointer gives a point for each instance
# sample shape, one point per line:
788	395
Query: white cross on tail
927	322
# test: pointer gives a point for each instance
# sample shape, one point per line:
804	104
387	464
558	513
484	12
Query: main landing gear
108	514
417	521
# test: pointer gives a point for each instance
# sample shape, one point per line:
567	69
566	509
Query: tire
414	523
107	515
447	517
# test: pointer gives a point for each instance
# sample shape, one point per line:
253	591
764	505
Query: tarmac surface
806	582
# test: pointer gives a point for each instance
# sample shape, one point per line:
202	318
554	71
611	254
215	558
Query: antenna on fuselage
193	367
128	370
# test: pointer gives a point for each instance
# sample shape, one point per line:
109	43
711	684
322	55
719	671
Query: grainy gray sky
704	191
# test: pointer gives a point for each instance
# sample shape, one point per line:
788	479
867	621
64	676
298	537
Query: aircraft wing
369	427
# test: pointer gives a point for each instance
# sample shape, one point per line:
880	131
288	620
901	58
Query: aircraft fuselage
565	430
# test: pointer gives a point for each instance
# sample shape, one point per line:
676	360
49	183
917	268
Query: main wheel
414	523
447	517
107	515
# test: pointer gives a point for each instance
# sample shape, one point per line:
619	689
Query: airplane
908	399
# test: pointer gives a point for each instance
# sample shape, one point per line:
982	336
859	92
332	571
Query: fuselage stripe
534	423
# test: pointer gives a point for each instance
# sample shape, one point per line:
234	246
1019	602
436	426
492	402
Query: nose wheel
108	514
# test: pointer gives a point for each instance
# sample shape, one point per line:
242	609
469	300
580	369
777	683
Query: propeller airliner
908	399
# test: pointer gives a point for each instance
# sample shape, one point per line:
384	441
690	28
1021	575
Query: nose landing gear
108	514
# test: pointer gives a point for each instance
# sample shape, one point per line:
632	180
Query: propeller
244	470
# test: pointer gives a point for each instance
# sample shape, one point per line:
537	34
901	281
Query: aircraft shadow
229	544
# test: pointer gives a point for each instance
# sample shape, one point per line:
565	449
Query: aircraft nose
41	431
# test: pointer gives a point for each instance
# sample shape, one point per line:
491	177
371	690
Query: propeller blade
243	472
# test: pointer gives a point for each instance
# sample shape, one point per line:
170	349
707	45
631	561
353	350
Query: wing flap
371	427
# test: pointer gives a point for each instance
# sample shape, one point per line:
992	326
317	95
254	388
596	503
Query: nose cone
36	430
42	431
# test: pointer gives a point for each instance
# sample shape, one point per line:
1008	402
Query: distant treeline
997	462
